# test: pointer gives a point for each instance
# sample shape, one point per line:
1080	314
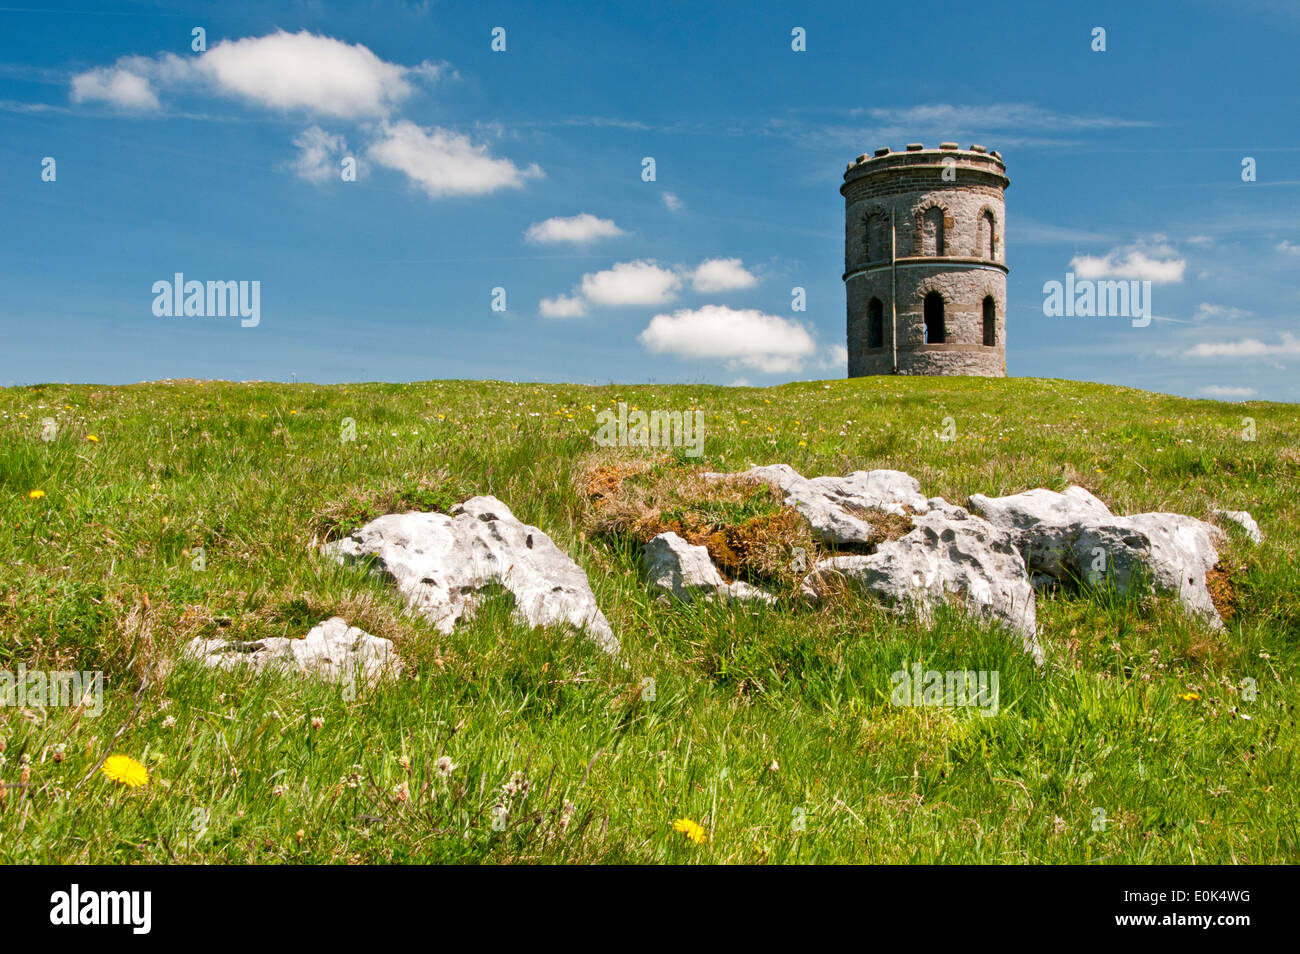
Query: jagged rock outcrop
838	509
442	563
1073	535
949	554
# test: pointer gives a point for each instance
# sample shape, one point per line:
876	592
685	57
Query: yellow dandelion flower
124	769
36	494
803	443
692	830
1190	696
92	438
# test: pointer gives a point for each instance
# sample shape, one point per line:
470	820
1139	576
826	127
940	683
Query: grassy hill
1145	737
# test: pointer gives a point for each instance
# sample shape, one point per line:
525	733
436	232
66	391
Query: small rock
333	651
686	570
1243	519
442	563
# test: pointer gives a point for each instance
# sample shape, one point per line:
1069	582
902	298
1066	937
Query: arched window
990	321
876	238
933	318
932	238
876	324
988	237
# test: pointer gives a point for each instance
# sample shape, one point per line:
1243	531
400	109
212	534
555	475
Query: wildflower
60	751
404	762
92	438
169	722
317	723
692	830
277	791
402	793
36	494
517	786
353	778
444	767
1190	696
124	769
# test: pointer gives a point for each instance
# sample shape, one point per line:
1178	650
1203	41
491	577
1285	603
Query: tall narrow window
933	318
876	324
932	239
988	247
990	321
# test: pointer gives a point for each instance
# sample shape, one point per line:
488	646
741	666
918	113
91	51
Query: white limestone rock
1073	535
333	651
949	553
442	563
686	570
1243	519
834	506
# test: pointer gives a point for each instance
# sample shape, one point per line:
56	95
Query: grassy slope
98	574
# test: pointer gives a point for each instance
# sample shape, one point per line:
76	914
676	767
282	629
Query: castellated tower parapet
925	269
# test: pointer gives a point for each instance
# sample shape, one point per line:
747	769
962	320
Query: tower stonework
925	270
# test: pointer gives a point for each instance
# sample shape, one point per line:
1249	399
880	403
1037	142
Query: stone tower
925	261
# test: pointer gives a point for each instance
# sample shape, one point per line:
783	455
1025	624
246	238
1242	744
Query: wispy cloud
319	155
997	125
1226	391
1287	346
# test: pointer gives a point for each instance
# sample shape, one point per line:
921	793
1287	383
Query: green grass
1184	738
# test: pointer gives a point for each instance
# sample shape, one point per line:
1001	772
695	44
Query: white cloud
951	117
742	337
1206	312
288	71
1289	247
1157	264
722	274
1224	391
319	153
576	229
837	358
562	306
281	71
445	163
124	85
1246	348
671	200
631	283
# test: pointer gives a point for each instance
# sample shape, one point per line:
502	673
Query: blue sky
522	170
